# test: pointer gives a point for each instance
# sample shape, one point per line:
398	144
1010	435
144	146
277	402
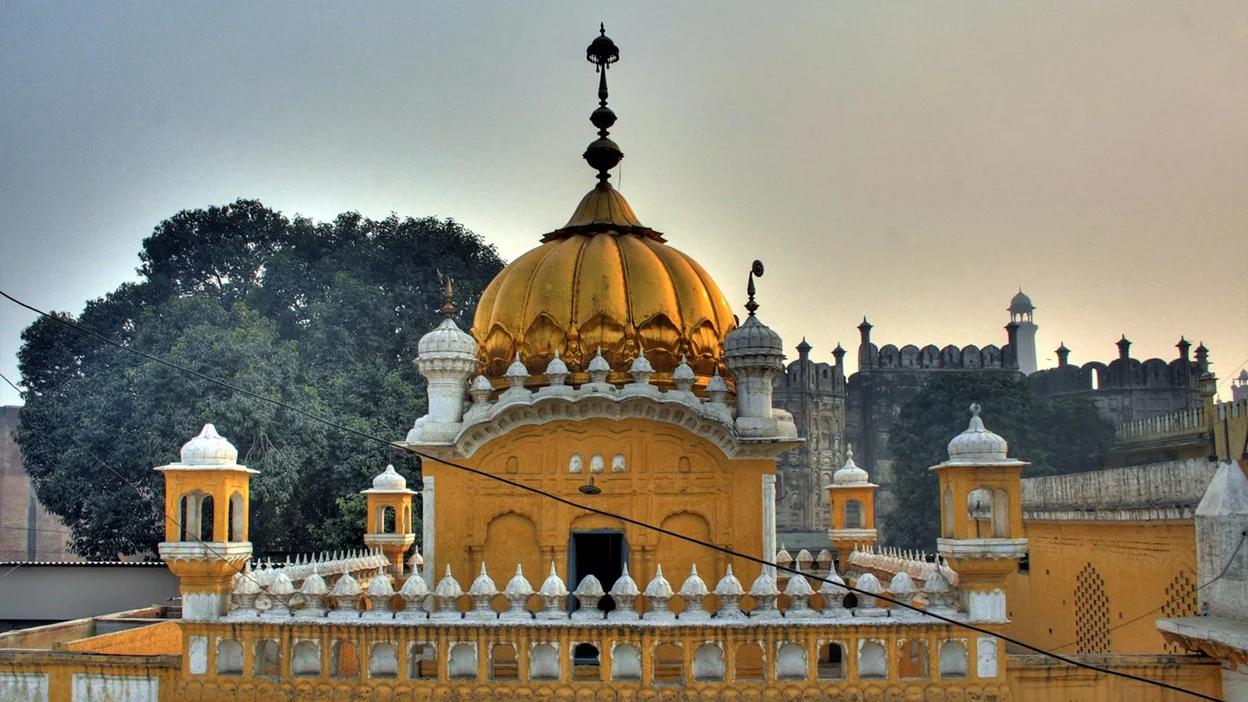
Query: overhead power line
628	520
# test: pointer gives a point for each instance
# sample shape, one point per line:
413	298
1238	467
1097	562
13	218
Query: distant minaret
1020	313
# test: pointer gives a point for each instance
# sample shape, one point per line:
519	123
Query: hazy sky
913	162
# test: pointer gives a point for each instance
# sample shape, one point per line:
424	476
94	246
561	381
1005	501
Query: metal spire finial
448	304
755	270
602	154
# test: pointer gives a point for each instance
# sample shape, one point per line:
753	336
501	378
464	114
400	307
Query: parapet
913	358
1167	490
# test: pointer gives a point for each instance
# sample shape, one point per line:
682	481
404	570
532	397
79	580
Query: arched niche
511	539
678	556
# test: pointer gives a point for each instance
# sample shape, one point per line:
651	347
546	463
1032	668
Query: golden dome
603	280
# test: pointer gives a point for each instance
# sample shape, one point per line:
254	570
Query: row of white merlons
348	600
683	378
363	565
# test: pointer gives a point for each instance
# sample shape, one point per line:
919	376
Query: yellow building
607	428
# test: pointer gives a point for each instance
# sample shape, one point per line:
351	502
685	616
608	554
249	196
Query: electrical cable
622	518
1242	537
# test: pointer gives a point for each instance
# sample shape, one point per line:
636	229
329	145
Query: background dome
1021	303
603	280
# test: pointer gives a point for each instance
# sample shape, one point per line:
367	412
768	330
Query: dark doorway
599	553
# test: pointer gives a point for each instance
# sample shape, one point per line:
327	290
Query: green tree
1059	435
324	316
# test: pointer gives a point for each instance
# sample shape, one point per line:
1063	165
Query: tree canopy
1056	435
322	315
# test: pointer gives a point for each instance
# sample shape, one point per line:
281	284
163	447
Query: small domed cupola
850	473
1021	304
209	448
977	445
389	480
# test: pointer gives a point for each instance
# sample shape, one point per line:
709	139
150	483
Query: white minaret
1025	339
754	354
446	357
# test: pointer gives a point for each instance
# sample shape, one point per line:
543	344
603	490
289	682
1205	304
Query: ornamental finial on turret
602	154
756	270
448	303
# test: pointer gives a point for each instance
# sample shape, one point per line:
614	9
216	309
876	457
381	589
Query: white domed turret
446	358
977	445
209	449
755	354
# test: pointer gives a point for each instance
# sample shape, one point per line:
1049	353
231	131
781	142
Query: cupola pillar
446	358
852	498
981	517
754	354
206	534
390	518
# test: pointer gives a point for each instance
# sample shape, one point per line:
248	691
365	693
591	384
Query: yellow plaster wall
1038	679
61	667
672	478
163	639
1141	565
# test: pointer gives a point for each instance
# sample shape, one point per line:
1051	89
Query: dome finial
448	303
755	270
602	154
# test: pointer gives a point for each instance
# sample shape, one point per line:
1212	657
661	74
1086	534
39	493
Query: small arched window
236	518
206	518
853	514
503	665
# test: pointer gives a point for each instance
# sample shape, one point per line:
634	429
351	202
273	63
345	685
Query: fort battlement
930	357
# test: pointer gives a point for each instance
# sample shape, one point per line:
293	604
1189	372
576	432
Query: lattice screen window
1091	612
1180	602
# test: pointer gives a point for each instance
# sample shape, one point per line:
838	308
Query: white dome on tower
209	449
753	337
389	479
447	338
977	444
1021	303
850	473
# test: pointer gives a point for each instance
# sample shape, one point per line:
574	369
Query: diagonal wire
628	520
